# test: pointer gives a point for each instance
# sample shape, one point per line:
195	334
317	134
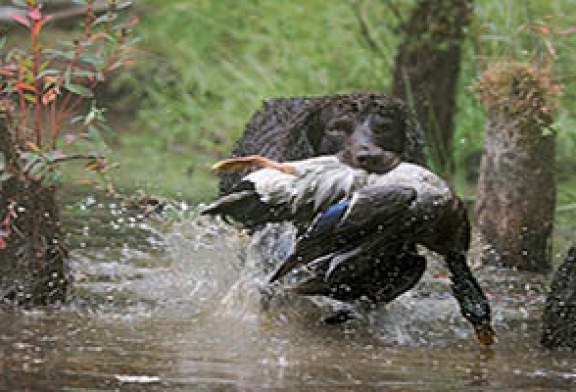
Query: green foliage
206	65
532	32
221	59
46	84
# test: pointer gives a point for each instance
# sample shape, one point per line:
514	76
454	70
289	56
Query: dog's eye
382	125
383	129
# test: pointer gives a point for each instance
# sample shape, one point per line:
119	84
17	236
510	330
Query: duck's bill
486	335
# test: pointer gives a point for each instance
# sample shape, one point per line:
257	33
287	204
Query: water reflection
176	311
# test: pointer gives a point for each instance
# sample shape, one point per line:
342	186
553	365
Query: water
170	308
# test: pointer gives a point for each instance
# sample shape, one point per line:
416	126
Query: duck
358	231
292	191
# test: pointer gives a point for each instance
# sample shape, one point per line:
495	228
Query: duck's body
294	192
359	230
365	245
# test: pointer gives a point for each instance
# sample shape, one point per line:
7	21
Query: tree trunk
426	71
32	261
516	189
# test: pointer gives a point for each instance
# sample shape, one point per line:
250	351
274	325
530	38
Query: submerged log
32	257
559	318
517	189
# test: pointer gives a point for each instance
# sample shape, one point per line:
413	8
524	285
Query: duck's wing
248	207
352	274
292	191
372	217
262	196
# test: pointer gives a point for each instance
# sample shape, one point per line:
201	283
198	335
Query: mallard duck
359	230
293	191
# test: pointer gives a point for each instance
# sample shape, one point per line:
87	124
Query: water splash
225	274
188	314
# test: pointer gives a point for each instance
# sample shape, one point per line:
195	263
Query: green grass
160	171
205	66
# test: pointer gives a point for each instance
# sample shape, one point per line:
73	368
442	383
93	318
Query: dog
360	127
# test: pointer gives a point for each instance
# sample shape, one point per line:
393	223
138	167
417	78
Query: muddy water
179	308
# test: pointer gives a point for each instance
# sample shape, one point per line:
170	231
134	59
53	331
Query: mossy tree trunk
517	189
426	71
32	260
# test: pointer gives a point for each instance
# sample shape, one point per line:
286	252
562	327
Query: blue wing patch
328	220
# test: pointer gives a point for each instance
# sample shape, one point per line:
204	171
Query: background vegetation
205	66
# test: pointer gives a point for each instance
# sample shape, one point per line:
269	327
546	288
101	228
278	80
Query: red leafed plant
50	84
44	87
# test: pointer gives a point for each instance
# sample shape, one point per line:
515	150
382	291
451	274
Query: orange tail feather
240	163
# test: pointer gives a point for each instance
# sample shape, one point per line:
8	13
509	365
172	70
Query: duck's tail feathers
230	206
239	163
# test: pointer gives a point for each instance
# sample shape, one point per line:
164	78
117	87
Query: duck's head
475	308
474	305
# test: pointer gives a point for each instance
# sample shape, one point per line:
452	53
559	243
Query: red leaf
21	19
5	71
34	13
49	96
96	36
24	86
2	243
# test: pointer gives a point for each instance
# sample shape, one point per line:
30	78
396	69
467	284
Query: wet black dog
360	127
365	130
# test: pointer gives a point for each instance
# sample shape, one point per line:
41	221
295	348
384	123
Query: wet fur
298	128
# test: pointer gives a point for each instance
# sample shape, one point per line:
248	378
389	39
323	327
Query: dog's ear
304	133
263	135
314	133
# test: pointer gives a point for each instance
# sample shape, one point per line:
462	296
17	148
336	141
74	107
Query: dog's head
368	131
365	130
